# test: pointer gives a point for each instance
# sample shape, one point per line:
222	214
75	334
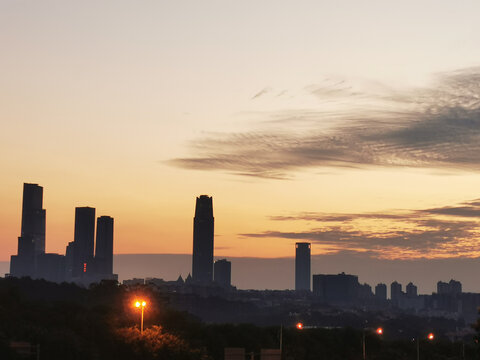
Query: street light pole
418	347
141	325
363	345
379	331
142	305
281	339
430	337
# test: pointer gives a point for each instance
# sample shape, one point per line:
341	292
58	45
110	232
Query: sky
352	125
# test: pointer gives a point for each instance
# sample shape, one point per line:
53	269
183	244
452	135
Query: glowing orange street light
141	304
378	331
430	337
299	326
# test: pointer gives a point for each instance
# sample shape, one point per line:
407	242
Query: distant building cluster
345	290
84	261
89	258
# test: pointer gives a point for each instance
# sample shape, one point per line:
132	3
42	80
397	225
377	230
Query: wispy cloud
470	209
262	92
437	127
451	231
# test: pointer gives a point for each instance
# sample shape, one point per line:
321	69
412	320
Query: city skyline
82	264
306	123
228	179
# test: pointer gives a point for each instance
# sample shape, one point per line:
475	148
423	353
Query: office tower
83	241
222	272
381	291
302	266
32	239
395	291
202	259
411	290
339	288
104	246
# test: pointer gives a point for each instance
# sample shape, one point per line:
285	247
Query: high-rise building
395	291
411	290
381	291
32	240
222	272
302	266
84	240
443	288
455	286
104	246
339	288
51	267
452	287
202	259
69	254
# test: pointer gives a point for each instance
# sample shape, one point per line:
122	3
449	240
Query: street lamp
430	337
378	331
141	304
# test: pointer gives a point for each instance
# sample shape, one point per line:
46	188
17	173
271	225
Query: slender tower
84	240
104	246
32	239
202	260
302	266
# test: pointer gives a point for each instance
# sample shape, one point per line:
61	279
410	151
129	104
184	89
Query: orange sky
275	110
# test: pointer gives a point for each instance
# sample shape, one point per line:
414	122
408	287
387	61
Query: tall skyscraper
222	272
32	240
104	246
84	240
202	259
302	266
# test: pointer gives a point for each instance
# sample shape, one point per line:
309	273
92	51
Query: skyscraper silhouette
83	241
222	272
411	290
302	266
32	240
202	259
395	291
104	246
381	291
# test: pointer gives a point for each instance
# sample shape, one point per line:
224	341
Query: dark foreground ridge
64	321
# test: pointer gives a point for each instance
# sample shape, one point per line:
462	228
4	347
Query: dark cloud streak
427	128
435	232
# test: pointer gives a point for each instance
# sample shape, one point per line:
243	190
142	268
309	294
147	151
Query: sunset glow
304	123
